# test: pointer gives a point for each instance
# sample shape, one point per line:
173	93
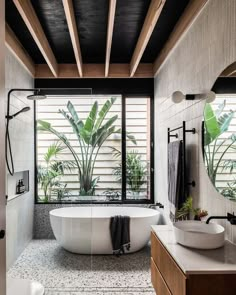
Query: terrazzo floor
65	273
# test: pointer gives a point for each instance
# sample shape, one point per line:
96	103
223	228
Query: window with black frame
79	144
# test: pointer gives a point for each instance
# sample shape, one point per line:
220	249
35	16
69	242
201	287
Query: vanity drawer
157	281
173	275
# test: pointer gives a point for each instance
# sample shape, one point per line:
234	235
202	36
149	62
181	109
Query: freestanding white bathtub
85	230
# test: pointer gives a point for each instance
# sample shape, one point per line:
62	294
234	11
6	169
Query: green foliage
230	191
136	171
91	135
216	124
187	210
49	175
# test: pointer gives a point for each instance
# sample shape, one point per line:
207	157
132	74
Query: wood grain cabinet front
169	279
158	282
172	274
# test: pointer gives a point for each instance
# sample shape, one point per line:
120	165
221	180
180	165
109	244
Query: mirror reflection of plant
136	171
216	123
230	190
91	135
49	175
229	165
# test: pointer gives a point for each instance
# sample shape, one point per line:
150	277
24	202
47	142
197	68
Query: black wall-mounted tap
157	205
230	217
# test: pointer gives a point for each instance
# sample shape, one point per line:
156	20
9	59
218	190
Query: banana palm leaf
45	126
103	112
90	121
220	109
225	120
72	111
211	123
76	127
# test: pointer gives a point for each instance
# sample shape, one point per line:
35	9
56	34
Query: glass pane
138	148
219	152
77	157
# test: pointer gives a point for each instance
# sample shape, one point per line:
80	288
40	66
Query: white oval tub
85	230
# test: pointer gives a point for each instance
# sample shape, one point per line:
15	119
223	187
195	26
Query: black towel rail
185	131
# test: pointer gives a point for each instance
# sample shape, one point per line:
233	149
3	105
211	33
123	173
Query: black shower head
25	109
36	96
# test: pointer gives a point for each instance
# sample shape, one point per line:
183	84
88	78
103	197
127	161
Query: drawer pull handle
2	234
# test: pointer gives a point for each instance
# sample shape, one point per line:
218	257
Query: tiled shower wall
202	54
19	211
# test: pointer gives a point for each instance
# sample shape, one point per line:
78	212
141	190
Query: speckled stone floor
65	273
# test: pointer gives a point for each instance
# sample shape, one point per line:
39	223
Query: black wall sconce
178	96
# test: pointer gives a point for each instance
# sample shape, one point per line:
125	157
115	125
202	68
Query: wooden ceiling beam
189	15
70	71
110	26
71	22
19	51
151	19
32	22
229	71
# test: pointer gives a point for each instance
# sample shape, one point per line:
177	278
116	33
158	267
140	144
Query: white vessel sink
199	235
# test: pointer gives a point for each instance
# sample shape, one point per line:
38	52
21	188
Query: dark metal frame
123	148
169	135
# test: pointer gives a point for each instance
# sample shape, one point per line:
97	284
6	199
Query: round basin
199	235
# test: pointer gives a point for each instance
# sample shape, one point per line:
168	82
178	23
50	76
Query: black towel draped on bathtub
120	234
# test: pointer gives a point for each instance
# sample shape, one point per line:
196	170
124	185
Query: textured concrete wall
21	209
2	148
204	52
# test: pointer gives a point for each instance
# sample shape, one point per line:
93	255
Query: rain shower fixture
38	94
8	151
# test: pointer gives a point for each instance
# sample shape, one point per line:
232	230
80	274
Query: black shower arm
9	97
33	90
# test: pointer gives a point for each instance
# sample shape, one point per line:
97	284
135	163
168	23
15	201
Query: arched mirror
219	134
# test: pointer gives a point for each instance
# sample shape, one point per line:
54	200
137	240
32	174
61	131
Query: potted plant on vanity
188	212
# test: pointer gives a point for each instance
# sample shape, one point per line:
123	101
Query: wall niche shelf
12	181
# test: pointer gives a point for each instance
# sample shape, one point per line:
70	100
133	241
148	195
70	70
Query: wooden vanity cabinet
168	278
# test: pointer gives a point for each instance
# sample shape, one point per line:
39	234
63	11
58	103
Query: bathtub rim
51	213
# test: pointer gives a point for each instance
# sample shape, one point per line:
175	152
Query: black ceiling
91	17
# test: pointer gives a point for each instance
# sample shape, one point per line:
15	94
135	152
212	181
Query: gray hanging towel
120	234
175	177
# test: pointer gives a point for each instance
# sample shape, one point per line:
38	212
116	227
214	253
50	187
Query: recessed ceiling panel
53	20
91	17
18	26
129	18
171	12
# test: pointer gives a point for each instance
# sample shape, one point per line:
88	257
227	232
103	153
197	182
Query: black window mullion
123	147
152	145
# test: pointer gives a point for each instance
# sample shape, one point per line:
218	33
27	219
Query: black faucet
157	205
230	217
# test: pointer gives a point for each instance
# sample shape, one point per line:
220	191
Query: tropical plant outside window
78	140
220	144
